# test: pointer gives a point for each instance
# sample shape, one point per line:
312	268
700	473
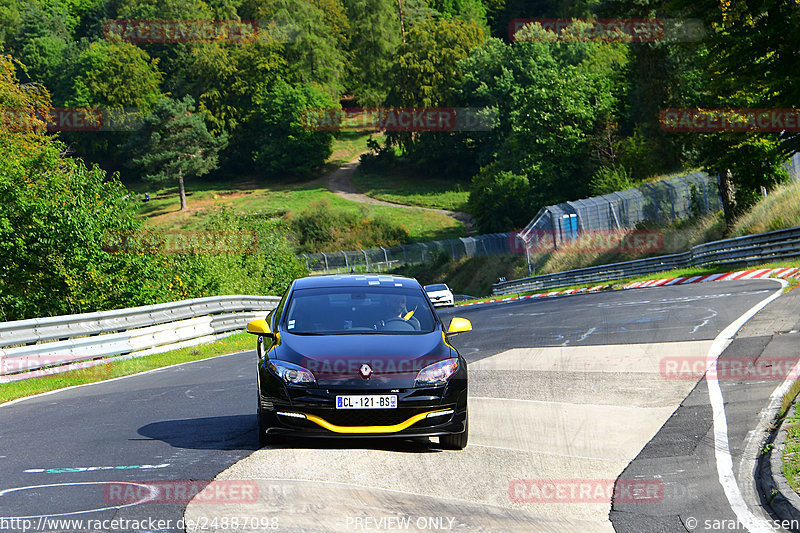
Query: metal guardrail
40	346
752	249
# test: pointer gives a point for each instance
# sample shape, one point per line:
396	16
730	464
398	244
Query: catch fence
385	258
659	202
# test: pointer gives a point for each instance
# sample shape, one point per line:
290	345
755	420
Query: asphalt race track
571	389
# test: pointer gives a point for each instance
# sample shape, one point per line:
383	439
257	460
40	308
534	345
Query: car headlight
292	374
437	373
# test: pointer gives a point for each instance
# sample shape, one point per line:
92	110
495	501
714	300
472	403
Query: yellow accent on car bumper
371	429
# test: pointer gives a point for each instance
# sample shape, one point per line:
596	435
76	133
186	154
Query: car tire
456	441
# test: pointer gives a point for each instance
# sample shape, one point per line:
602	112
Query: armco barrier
749	250
763	273
39	346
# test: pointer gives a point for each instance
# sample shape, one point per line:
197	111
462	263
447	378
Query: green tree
467	9
165	9
176	143
744	163
10	21
246	92
43	35
55	216
555	104
752	63
214	69
426	72
501	12
314	33
103	77
668	73
426	69
501	199
375	36
173	58
40	40
283	144
226	80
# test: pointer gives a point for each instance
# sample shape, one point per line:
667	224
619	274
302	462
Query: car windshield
432	288
346	310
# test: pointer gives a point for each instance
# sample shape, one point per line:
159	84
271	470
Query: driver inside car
397	306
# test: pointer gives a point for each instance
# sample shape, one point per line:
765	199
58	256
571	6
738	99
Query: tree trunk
402	26
728	194
182	190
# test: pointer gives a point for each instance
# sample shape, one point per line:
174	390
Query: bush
321	229
500	200
644	156
610	179
269	268
379	157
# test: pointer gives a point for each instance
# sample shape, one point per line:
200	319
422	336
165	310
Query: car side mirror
259	327
459	325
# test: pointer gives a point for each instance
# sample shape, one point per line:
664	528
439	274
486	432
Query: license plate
372	401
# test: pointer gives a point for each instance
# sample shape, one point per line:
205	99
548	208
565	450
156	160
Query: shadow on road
236	432
239	433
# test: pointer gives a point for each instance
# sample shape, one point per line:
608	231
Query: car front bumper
421	412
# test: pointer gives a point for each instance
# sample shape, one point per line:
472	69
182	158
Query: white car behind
440	294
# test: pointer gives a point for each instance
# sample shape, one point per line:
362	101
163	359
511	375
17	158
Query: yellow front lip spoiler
371	429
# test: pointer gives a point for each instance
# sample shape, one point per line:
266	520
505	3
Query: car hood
337	360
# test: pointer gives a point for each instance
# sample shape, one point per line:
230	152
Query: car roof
356	280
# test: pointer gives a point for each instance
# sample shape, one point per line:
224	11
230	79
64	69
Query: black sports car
360	356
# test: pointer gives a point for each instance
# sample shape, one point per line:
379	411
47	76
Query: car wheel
456	441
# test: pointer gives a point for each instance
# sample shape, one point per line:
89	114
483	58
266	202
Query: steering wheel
406	325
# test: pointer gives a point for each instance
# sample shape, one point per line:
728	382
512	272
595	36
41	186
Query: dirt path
341	184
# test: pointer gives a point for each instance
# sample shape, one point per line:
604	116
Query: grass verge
677	237
788	398
274	200
779	210
790	454
348	145
406	189
19	389
254	196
